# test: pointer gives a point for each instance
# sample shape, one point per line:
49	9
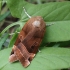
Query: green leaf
2	17
57	32
48	58
0	6
49	11
13	40
16	6
9	26
3	39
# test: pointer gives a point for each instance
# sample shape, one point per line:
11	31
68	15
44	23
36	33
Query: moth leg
12	57
25	62
32	55
49	24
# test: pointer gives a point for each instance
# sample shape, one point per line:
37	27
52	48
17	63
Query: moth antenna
26	13
14	33
17	32
49	24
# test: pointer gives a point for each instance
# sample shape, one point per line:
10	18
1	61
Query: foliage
49	58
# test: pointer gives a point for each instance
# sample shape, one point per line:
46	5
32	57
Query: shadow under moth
28	41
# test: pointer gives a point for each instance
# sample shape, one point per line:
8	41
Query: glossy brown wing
28	41
22	54
33	40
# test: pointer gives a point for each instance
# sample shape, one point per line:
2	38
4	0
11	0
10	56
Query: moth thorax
36	23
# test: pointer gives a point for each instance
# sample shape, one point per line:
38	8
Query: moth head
37	21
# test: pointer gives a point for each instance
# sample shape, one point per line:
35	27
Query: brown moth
28	41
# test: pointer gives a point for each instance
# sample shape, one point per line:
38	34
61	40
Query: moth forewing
29	39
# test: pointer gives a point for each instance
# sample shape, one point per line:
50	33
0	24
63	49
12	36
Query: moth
28	41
